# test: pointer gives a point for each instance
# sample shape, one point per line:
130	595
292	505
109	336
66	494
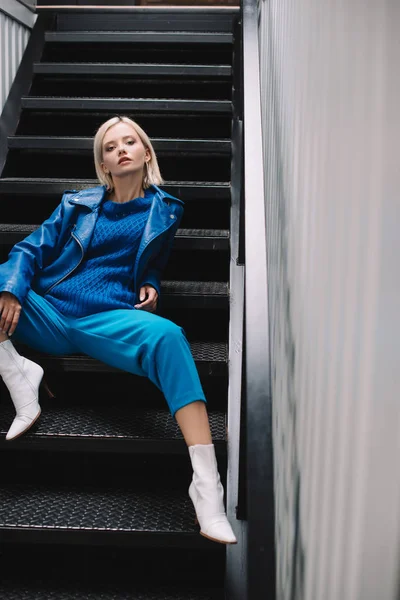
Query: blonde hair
151	171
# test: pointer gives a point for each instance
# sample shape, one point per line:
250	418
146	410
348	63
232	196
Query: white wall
16	22
331	105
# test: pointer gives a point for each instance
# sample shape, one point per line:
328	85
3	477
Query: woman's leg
39	328
148	345
194	424
205	491
143	344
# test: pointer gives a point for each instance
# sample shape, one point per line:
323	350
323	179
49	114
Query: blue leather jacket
58	246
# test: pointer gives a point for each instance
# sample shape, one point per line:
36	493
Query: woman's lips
121	160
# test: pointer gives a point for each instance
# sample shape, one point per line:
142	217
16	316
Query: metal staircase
93	500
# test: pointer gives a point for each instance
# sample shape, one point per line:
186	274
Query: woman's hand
148	298
10	309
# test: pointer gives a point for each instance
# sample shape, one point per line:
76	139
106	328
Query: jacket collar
93	197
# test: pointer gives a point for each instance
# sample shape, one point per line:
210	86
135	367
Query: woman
88	280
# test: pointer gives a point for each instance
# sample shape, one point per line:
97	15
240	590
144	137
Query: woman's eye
130	142
109	148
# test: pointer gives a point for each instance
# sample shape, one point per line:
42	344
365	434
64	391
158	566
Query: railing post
260	505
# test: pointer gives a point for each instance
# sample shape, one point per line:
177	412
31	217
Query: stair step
202	239
119	429
140	515
132	69
185	239
139	37
201	190
43	590
127	104
166	14
85	144
157	18
195	294
211	360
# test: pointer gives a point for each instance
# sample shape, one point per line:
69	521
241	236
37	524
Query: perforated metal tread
211	358
195	294
101	429
118	68
85	144
72	514
42	590
150	37
196	288
166	14
185	239
217	233
115	104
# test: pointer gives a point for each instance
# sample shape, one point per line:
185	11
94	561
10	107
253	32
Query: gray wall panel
330	89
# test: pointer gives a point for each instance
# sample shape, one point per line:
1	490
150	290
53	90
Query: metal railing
258	401
16	22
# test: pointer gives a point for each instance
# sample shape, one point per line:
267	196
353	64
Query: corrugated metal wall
13	40
331	101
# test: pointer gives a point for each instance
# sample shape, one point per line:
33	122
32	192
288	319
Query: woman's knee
169	331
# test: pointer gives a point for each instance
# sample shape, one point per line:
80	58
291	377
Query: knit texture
104	279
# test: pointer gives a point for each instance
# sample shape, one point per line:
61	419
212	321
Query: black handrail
258	396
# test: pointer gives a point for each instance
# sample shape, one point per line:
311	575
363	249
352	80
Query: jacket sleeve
154	271
31	254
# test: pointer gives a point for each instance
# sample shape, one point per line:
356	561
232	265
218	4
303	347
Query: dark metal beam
260	494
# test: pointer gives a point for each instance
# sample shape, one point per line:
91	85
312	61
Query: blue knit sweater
103	281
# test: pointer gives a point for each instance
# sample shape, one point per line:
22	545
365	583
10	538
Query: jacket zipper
72	270
154	238
81	247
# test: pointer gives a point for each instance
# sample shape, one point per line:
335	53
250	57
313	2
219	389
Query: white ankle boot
207	495
22	378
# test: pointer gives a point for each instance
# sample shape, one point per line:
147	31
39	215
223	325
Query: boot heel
47	389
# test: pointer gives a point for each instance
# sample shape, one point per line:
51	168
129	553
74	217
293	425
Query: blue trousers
134	340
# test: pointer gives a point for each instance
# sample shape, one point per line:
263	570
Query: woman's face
123	151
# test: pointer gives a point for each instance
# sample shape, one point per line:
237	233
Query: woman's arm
156	266
32	253
152	275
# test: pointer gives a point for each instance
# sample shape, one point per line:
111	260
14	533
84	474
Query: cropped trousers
135	341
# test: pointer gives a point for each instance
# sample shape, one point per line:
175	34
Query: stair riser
130	87
181	243
185	264
145	476
71	165
163	20
194	54
97	563
119	389
84	145
188	126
